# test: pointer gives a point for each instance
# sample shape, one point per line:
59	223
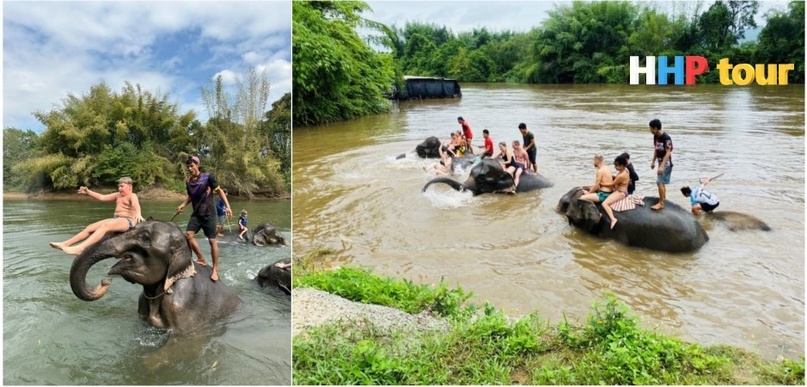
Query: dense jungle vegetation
339	75
95	138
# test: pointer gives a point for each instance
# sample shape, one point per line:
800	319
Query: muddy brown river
351	195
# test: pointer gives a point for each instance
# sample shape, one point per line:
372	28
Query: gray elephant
267	234
273	276
178	294
672	229
488	176
736	221
428	149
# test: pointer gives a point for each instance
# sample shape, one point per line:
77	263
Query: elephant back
672	229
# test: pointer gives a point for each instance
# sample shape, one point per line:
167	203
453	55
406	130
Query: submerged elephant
672	229
736	221
267	234
488	176
274	276
429	149
156	255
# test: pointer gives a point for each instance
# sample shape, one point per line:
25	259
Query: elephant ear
180	266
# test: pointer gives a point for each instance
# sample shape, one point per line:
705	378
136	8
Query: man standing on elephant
529	145
199	186
662	152
469	135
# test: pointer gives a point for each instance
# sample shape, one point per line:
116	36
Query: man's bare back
604	180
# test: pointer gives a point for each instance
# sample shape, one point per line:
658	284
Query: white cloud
228	77
55	48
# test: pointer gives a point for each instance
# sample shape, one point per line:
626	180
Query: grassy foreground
483	346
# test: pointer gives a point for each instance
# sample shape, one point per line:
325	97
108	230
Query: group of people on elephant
608	189
515	161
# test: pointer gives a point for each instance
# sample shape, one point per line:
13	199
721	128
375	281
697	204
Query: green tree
18	146
277	127
96	127
237	141
782	40
337	75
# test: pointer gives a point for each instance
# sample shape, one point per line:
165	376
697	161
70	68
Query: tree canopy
95	138
337	75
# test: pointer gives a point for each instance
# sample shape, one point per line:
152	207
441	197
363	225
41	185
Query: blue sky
51	49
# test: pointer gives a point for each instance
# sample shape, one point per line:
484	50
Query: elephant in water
267	234
178	294
736	221
488	176
673	229
429	149
274	276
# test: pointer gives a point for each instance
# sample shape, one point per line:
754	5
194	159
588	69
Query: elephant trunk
82	264
451	182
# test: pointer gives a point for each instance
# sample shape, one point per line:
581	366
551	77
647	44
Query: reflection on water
744	288
52	337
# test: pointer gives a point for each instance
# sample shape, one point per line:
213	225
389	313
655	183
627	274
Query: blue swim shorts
664	178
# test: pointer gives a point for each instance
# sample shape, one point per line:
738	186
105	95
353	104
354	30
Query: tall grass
483	346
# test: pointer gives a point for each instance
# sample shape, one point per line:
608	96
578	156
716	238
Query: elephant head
488	176
153	254
672	229
274	276
267	234
428	149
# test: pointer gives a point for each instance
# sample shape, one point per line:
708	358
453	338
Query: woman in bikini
510	164
620	185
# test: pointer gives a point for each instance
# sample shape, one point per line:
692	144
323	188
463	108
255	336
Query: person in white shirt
701	199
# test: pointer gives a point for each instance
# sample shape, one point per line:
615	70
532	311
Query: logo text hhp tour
685	68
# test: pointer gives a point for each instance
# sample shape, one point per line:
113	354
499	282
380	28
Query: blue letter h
664	70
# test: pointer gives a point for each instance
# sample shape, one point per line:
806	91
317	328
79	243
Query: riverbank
355	343
151	194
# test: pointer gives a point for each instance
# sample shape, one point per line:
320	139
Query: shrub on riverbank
490	348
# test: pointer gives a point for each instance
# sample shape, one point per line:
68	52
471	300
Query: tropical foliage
95	138
591	42
337	75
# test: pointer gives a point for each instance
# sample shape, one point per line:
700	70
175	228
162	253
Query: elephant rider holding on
701	199
619	185
603	183
521	156
467	133
127	214
488	144
199	186
510	165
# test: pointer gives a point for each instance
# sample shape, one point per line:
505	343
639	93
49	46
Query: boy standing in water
127	214
199	186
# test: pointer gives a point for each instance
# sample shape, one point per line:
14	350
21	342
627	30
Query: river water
742	288
52	337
